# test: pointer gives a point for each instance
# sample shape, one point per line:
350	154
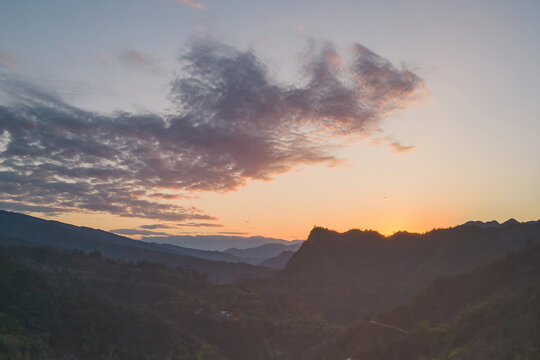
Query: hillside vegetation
492	312
17	229
359	273
469	292
71	305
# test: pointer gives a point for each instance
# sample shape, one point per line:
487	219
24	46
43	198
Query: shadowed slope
492	312
357	273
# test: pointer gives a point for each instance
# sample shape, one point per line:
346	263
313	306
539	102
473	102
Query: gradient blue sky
476	135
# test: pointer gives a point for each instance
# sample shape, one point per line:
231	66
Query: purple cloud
233	123
154	226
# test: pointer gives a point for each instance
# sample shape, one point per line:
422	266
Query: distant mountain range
494	223
217	242
266	251
279	261
368	272
221	267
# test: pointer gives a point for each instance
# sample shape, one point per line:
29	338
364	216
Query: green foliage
370	273
18	344
82	306
75	306
490	313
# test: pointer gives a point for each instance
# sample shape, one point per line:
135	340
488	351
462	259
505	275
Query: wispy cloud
21	207
136	58
391	142
8	60
140	60
138	232
194	224
400	149
233	123
161	195
232	233
193	4
154	226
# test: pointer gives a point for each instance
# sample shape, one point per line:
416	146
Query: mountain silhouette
278	262
358	273
468	292
265	251
216	242
23	229
490	312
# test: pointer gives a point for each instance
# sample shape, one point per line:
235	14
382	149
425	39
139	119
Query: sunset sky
267	118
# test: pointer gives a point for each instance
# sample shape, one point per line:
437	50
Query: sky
269	118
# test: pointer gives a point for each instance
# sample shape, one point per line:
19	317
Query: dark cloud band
138	232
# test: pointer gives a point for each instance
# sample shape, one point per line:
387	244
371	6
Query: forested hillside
470	292
28	230
359	273
71	305
492	312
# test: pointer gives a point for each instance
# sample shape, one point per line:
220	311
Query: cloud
138	232
154	226
5	138
8	60
232	233
193	224
13	206
139	60
190	224
231	123
400	149
168	196
136	58
395	145
193	4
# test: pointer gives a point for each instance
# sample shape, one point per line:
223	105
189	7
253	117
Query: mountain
278	262
359	273
485	225
469	292
489	313
265	251
492	223
202	254
47	316
216	242
71	305
24	229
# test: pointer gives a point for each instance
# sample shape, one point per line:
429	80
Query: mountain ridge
371	272
265	251
216	242
43	232
490	312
